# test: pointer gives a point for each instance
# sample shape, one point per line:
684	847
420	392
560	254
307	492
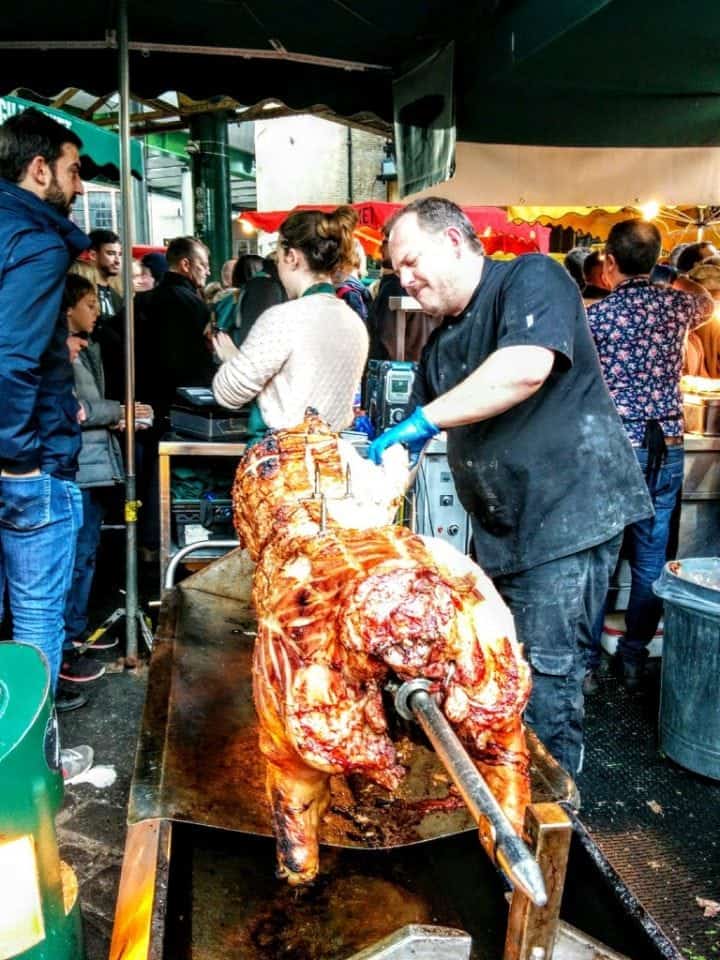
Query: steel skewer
413	701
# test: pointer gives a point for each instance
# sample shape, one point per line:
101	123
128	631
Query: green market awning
101	146
242	163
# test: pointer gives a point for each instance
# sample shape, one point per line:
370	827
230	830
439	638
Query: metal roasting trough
401	873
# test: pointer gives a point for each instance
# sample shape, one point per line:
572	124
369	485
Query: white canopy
510	175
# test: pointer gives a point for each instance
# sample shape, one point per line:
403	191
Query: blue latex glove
414	432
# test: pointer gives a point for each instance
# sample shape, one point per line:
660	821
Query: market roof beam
60	101
145	47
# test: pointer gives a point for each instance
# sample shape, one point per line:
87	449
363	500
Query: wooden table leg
549	831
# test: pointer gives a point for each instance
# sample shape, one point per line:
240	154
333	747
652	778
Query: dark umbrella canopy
590	72
382	35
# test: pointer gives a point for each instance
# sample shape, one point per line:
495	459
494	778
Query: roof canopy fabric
498	234
586	74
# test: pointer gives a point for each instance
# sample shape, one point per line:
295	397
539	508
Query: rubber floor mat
656	824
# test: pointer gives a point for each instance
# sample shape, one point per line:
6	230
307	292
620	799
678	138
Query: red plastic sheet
497	233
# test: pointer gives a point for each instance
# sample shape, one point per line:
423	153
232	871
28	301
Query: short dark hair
594	259
635	245
573	263
99	237
31	134
436	214
182	247
246	266
675	253
76	287
692	255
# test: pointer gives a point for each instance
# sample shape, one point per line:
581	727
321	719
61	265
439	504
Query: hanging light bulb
650	209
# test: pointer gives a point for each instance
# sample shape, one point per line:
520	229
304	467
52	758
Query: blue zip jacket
38	409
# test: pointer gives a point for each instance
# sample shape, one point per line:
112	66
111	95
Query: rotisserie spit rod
414	702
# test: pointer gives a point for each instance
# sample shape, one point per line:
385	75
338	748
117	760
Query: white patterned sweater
304	353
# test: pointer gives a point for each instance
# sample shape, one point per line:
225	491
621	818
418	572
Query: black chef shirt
554	474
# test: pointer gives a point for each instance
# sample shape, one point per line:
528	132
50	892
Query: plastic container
690	691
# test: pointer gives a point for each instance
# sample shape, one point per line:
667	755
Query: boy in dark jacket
100	468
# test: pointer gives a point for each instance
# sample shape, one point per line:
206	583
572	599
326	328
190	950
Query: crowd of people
558	389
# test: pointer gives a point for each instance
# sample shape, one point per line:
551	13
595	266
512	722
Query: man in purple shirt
639	331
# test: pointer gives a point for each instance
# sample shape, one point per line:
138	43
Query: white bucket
614	628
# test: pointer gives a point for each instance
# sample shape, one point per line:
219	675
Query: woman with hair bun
308	352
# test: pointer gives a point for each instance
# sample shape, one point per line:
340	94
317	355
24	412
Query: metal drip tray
235	907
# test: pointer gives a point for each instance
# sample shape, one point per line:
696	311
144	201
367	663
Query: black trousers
554	606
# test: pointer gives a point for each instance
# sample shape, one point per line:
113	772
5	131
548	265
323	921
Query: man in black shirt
539	457
171	351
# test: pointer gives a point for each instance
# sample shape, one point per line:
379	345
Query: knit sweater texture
305	353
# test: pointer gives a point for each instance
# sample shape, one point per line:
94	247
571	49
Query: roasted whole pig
344	600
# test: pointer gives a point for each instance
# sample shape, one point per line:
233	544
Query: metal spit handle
414	702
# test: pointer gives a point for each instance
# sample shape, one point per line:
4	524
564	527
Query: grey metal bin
690	691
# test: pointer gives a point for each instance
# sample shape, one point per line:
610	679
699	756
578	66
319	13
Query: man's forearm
505	379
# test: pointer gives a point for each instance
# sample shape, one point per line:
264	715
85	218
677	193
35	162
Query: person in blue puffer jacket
40	504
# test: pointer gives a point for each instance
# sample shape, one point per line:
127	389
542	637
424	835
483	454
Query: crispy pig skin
341	610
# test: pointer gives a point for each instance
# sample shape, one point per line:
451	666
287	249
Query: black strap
654	441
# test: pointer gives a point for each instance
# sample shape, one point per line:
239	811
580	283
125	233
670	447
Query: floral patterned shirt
639	331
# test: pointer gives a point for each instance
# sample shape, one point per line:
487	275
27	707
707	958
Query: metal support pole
211	186
131	504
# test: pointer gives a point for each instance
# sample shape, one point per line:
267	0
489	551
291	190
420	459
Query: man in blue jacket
40	505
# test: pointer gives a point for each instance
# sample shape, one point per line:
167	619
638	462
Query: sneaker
75	761
66	700
86	643
77	668
591	684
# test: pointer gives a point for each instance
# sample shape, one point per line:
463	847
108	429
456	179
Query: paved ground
92	822
91	825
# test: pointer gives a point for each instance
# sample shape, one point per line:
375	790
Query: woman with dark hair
309	352
227	309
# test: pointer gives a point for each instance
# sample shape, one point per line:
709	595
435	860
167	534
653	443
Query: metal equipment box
438	511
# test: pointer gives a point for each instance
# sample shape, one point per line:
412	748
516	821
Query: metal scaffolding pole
131	503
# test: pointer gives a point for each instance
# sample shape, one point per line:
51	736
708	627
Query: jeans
555	606
39	520
646	545
88	540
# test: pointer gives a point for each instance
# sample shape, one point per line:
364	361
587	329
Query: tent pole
131	504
